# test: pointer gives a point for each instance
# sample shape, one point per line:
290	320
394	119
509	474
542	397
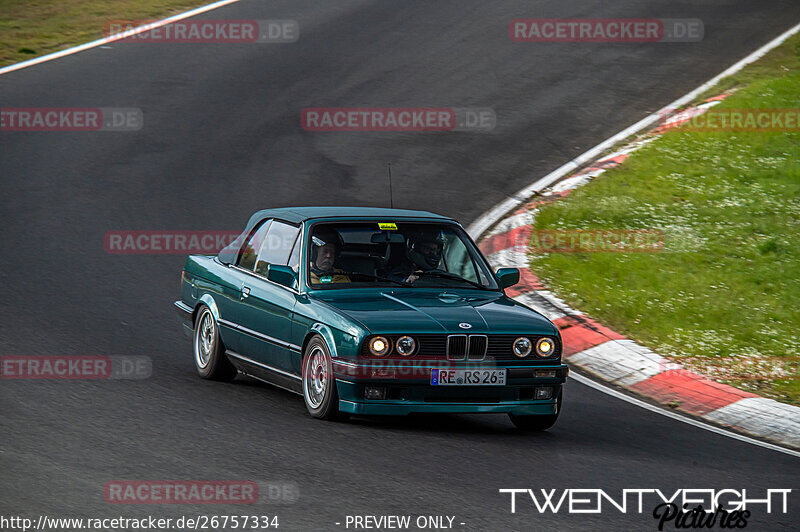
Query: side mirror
283	275
507	277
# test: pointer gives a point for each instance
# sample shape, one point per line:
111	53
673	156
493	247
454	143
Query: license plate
468	377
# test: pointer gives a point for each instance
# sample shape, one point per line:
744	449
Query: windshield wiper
448	275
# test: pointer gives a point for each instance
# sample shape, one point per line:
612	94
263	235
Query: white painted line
490	217
668	413
106	40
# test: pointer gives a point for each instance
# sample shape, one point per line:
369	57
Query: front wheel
319	384
209	353
537	423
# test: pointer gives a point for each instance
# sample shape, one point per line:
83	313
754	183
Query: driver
423	253
326	245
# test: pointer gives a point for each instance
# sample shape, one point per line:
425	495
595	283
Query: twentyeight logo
594	501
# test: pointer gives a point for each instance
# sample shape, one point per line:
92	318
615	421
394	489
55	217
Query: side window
294	258
229	253
247	258
276	246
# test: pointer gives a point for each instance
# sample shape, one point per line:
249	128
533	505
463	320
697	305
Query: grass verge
31	28
722	296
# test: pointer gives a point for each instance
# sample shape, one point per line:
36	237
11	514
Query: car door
265	313
239	257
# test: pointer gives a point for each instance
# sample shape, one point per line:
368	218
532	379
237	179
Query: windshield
417	255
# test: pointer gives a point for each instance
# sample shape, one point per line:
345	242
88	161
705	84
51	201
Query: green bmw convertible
371	311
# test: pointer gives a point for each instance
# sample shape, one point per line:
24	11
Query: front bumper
413	392
184	314
402	408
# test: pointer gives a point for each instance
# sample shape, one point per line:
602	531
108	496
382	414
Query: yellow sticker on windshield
389	226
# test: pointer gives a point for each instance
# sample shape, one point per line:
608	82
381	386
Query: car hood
396	311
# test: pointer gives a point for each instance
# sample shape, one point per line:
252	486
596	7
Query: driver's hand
413	277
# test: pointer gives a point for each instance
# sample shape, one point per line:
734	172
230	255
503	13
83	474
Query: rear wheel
209	353
537	423
319	384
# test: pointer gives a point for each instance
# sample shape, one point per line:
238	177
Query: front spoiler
401	408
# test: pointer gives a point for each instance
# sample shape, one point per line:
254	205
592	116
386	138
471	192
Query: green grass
30	28
723	296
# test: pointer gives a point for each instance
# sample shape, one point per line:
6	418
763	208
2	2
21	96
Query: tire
319	384
537	423
209	353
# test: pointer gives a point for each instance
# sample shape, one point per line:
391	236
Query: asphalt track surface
222	138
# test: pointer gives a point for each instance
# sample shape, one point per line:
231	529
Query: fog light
544	392
375	392
546	373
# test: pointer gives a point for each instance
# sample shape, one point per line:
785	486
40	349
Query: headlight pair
523	347
382	346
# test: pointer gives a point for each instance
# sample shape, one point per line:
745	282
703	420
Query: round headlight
545	347
405	345
379	346
522	347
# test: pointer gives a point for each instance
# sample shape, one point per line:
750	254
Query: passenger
423	253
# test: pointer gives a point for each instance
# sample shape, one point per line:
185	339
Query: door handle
245	291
